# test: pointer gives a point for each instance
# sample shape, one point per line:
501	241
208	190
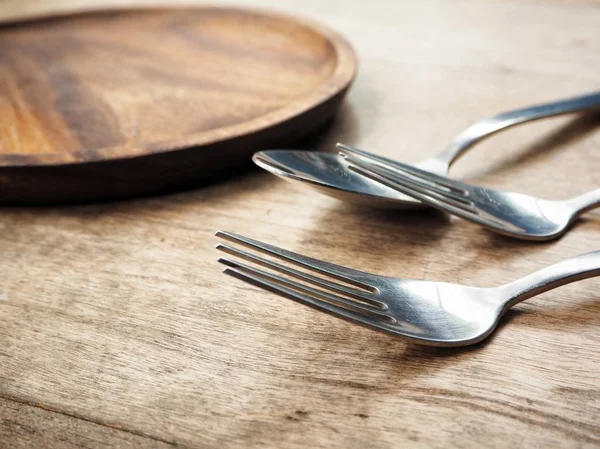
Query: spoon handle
586	202
561	273
489	126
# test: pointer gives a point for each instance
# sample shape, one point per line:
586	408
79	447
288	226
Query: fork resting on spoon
513	214
328	172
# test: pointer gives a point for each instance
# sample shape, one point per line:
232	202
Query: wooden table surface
119	330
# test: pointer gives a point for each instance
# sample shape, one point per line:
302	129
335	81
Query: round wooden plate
111	104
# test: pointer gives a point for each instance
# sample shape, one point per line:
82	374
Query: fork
432	313
512	214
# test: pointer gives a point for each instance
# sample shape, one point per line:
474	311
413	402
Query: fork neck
584	203
564	272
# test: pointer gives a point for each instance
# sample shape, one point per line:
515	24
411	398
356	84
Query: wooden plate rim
339	80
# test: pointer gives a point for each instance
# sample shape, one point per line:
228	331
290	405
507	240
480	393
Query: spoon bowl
329	174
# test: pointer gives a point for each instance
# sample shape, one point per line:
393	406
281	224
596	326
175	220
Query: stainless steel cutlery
513	214
433	313
428	312
329	174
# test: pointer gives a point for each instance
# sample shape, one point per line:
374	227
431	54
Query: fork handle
564	272
489	126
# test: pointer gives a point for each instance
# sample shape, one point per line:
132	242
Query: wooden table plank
27	426
118	313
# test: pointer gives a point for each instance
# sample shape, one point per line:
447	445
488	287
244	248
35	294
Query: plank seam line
83	418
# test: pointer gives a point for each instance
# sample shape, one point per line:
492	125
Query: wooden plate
110	104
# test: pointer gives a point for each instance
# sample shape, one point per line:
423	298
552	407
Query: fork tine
369	156
272	283
410	181
411	169
439	201
307	289
348	275
349	291
426	197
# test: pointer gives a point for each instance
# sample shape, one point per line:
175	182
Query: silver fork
513	214
433	313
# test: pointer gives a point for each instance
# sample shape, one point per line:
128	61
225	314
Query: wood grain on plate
117	314
107	104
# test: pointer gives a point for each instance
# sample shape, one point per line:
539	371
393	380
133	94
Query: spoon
328	173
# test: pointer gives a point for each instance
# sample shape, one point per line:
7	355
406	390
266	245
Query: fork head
433	313
508	213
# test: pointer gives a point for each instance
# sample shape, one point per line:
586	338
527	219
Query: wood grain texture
119	314
25	426
80	94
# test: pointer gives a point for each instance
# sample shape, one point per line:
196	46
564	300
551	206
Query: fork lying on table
433	313
513	214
